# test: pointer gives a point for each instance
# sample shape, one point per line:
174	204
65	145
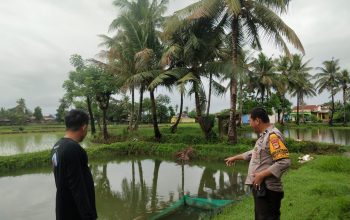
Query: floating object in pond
305	158
184	155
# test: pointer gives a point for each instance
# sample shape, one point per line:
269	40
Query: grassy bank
168	150
32	128
319	189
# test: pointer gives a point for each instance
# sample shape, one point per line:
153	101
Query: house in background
49	119
184	118
246	117
307	111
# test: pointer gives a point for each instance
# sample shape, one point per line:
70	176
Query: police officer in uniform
269	159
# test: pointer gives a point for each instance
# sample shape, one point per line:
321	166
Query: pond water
27	142
125	189
327	135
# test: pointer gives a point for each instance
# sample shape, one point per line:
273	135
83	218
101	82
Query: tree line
210	39
20	114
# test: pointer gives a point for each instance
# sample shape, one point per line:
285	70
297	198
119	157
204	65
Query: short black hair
76	118
260	113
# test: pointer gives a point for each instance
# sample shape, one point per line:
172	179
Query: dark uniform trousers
268	206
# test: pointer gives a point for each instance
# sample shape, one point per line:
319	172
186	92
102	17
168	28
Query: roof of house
312	108
306	107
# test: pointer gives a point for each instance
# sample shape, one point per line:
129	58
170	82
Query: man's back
75	197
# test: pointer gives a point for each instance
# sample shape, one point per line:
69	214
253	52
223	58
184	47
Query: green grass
319	189
31	128
213	152
315	125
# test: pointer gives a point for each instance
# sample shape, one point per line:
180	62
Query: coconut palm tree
190	49
326	79
139	23
246	22
344	80
263	75
137	45
283	69
120	56
299	81
182	90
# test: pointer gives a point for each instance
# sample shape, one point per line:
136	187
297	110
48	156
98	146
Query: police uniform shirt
269	153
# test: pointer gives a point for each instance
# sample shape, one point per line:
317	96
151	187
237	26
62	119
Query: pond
133	188
326	135
27	142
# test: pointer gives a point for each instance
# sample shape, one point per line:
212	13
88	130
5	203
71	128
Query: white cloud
38	37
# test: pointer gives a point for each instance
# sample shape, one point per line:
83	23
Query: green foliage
339	113
118	110
314	119
19	115
163	107
192	114
38	114
62	110
312	147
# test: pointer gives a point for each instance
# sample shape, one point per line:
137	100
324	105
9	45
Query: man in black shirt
75	196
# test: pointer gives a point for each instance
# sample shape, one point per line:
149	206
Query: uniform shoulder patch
278	149
274	140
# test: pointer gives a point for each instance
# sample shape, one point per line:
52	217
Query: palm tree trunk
298	102
267	94
282	111
157	133
232	133
92	119
131	122
332	112
139	116
174	127
205	127
240	104
104	122
209	93
279	116
344	103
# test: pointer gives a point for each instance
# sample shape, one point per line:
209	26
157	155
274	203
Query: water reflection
22	143
327	135
140	194
125	189
27	142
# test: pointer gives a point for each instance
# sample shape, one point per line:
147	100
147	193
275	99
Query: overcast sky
38	37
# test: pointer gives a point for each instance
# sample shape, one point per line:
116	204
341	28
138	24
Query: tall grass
319	189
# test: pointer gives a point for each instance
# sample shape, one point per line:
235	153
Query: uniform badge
277	148
275	143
